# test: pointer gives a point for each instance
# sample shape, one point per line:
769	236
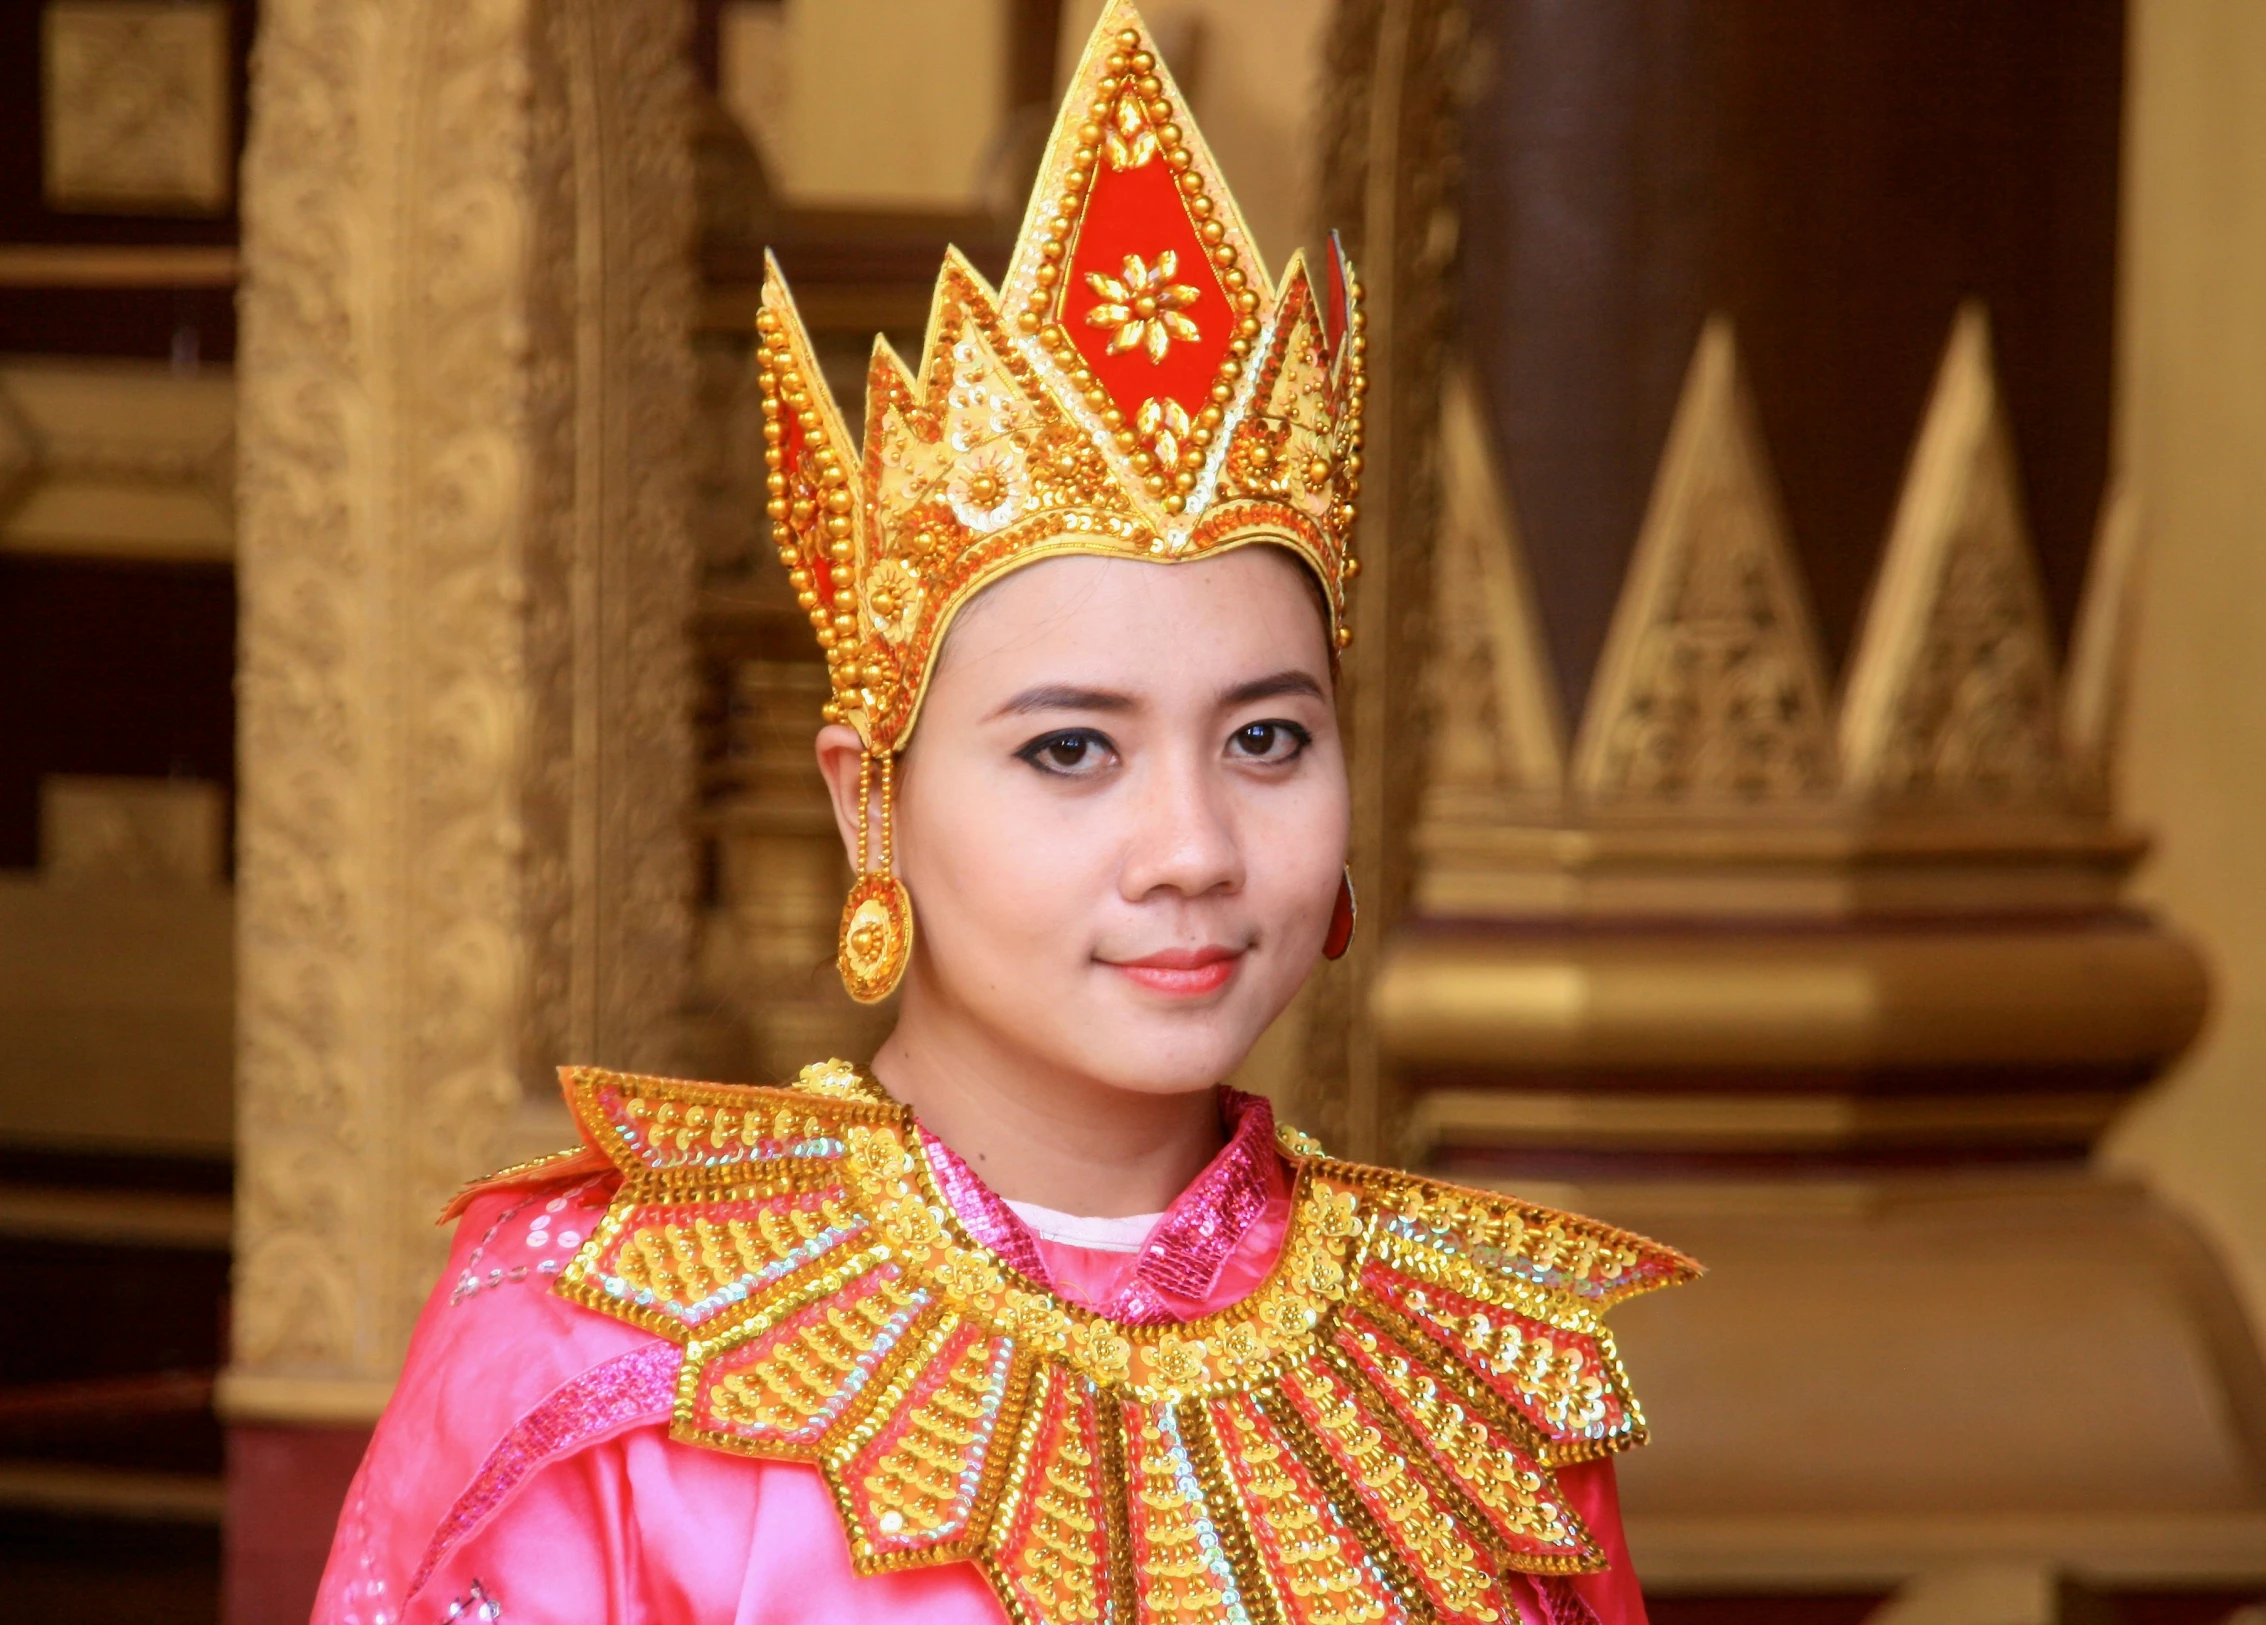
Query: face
1123	814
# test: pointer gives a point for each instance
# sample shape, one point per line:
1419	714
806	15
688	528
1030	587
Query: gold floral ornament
1306	466
988	489
1145	306
1391	1405
1164	425
1130	142
893	596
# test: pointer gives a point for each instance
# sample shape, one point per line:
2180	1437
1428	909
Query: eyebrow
1063	697
1267	688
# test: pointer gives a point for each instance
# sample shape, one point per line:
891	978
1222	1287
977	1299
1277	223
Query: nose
1185	838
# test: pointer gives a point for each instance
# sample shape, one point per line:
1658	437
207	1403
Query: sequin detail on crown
1371	1434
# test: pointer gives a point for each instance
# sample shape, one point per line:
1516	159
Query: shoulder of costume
1580	1259
689	1138
643	1126
557	1168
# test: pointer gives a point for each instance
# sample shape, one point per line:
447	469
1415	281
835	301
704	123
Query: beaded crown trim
1370	1435
1137	387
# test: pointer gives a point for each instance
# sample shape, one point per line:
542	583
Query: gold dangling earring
877	921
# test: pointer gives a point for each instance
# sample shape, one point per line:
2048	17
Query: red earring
1341	920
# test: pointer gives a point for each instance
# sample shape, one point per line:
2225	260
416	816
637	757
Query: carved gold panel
117	458
465	573
135	101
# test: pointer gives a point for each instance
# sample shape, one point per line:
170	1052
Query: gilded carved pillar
1397	72
1763	888
465	379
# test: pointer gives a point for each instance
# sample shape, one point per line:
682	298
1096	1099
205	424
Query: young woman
1031	1318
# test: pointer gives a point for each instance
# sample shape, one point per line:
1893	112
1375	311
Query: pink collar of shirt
1232	1209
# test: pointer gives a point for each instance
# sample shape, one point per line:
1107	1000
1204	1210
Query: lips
1181	973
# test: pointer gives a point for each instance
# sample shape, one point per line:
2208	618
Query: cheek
1296	836
991	868
1297	856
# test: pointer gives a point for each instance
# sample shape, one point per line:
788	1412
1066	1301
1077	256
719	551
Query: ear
840	754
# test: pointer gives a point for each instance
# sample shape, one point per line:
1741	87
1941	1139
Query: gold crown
1138	389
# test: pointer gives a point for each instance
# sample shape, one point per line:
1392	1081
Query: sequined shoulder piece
1372	1434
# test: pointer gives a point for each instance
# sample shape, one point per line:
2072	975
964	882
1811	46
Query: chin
1166	1052
1150	1077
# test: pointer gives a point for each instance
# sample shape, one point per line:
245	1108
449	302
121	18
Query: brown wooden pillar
1836	178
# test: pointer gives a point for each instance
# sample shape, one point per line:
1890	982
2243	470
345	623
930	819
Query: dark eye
1073	753
1273	741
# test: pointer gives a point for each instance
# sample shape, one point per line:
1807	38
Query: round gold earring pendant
877	937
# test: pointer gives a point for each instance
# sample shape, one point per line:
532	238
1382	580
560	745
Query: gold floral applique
1144	305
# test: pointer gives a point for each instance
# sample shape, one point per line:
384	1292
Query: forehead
1132	623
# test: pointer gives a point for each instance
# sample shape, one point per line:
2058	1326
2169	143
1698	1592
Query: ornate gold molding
463	378
1712	773
1711	690
105	265
1495	742
1397	73
1719	891
1952	694
781	873
1767	1003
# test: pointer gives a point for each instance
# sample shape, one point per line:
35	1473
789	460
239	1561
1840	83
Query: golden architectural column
465	382
1759	602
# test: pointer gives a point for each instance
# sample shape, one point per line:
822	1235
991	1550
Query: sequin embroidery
475	1604
1371	1434
1183	1256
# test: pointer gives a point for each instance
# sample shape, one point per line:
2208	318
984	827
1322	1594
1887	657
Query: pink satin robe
524	1473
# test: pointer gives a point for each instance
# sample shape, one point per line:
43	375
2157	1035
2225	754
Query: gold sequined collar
1380	1419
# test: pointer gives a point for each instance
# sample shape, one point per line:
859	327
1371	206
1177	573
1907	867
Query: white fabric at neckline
1095	1235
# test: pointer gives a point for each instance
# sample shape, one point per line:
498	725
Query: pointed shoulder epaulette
1380	1419
576	1162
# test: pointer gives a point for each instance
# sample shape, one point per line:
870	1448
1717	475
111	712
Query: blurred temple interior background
1807	720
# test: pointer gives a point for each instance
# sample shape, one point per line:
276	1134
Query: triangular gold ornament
1710	690
2100	653
1952	699
1496	744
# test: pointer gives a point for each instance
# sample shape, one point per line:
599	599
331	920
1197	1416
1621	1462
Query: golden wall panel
2192	441
117	458
115	1002
135	100
161	832
464	376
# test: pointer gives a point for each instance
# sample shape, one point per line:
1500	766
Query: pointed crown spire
1138	387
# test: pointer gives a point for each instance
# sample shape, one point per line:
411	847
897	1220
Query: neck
1036	1132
